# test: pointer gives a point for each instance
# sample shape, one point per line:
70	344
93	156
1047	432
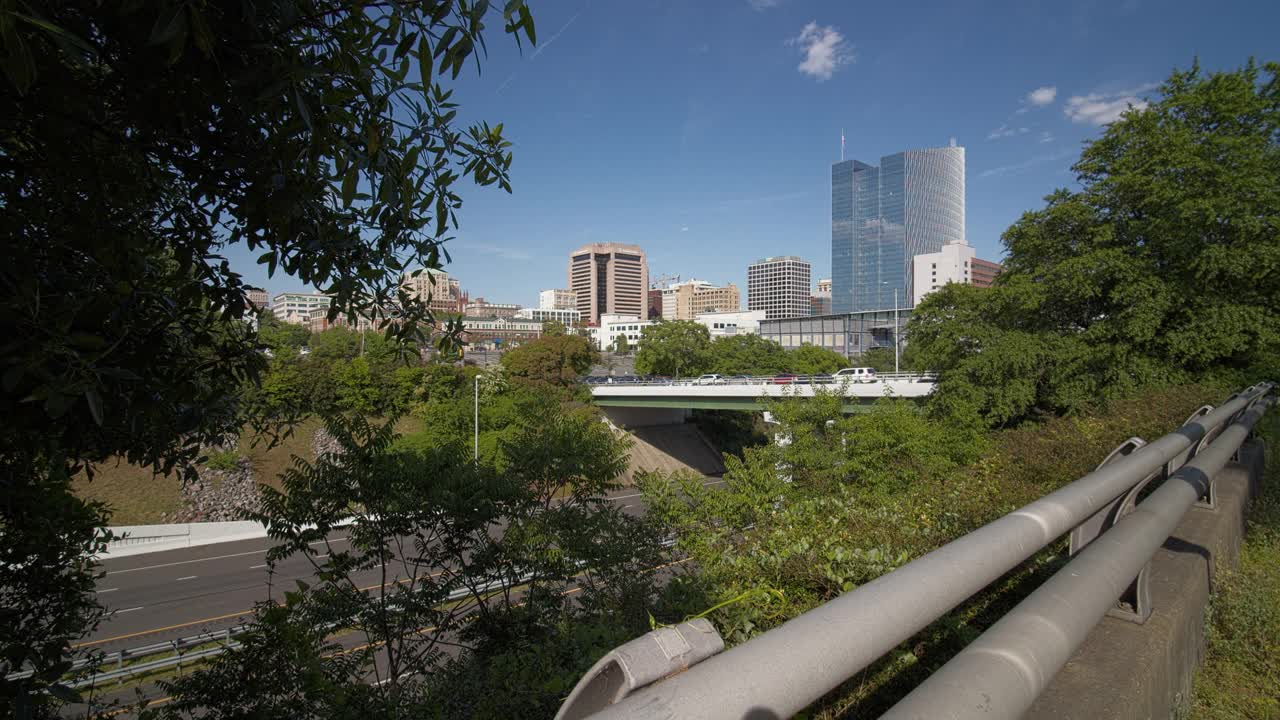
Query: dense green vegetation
138	141
1240	677
1163	267
683	348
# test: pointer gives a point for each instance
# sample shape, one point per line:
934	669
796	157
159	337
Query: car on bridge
710	379
857	374
786	379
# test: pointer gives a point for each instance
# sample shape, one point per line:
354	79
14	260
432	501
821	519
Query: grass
137	496
1240	677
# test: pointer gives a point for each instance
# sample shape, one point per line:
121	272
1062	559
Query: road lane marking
189	577
121	612
107	590
255	567
625	497
216	557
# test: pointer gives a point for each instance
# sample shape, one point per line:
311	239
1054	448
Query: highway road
179	593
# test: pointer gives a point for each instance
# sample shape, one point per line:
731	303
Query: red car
785	379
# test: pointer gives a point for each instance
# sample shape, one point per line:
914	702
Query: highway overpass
657	402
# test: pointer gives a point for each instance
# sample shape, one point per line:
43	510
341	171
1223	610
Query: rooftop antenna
953	141
842	144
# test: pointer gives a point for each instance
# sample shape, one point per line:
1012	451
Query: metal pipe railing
782	671
1001	674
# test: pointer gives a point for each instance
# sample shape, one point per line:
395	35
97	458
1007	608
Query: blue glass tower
882	217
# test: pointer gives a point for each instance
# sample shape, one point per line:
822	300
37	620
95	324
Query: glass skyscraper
882	217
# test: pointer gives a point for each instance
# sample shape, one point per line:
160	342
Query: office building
557	299
779	286
984	272
257	297
956	262
481	308
850	334
883	216
568	317
439	292
609	278
655	304
686	300
318	321
820	301
498	332
739	322
605	333
296	307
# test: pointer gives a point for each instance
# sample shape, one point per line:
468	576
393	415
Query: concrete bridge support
633	417
1125	670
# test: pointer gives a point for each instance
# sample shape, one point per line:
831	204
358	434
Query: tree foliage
140	141
622	345
556	359
814	360
747	354
674	347
1164	264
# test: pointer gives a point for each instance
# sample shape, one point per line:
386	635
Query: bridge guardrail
781	672
762	380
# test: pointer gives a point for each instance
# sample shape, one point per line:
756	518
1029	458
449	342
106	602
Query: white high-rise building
557	299
779	286
296	307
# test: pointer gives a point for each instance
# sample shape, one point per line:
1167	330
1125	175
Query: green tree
553	328
355	388
674	347
880	359
814	360
557	359
142	140
747	354
336	343
1163	264
281	337
622	345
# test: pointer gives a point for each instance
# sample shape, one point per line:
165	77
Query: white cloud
1005	131
824	50
1105	108
762	5
506	253
1042	96
1017	167
684	228
1046	136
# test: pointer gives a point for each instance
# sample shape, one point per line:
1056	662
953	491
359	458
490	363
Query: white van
859	375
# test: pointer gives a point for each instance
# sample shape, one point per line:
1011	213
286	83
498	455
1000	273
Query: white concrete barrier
139	539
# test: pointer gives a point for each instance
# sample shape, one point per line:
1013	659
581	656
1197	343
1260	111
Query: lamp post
895	330
476	452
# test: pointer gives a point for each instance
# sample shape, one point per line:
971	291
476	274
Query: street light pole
895	330
476	452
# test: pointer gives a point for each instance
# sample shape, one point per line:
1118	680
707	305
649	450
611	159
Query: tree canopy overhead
1165	263
141	140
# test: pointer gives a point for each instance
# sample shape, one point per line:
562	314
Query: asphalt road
179	593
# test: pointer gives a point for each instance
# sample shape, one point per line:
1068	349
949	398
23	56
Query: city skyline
706	177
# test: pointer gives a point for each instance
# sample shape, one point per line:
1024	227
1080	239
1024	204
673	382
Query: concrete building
984	272
956	262
482	308
849	334
568	316
820	301
257	297
318	321
655	303
557	299
605	333
494	333
739	322
779	286
439	292
609	278
913	203
296	307
686	300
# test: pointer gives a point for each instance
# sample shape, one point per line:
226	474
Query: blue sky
704	130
